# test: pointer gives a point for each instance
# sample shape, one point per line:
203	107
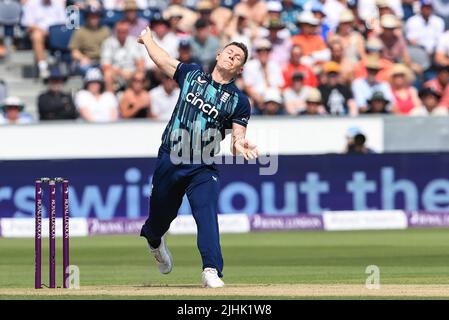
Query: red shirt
309	77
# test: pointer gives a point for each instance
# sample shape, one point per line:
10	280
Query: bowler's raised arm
160	57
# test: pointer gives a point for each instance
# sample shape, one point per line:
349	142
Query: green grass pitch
404	257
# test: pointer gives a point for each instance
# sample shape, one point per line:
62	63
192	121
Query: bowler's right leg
168	189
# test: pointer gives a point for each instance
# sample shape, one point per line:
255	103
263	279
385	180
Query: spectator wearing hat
314	106
272	103
405	96
240	30
261	73
94	103
357	145
13	112
373	49
296	95
121	57
440	84
281	46
378	104
164	38
430	104
163	99
274	9
204	44
219	17
86	42
359	24
119	4
351	40
363	88
317	10
186	53
331	8
136	24
312	44
257	10
394	45
174	15
424	29
38	16
55	104
135	101
371	10
294	66
204	9
338	56
337	97
188	19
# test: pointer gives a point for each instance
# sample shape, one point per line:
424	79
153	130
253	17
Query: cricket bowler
206	102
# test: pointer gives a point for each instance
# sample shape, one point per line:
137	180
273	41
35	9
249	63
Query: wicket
52	231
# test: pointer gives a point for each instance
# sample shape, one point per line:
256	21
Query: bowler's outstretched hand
246	148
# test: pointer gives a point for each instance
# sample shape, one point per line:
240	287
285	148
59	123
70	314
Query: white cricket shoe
211	279
163	257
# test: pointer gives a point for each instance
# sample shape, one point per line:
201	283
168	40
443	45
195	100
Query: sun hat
12	101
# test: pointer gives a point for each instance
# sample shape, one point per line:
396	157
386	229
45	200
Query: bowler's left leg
203	191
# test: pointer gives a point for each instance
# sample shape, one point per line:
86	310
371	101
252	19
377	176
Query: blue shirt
203	106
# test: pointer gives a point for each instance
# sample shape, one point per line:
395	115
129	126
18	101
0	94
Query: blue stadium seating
10	12
229	3
146	14
111	17
58	39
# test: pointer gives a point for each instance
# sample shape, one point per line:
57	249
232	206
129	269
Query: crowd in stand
307	57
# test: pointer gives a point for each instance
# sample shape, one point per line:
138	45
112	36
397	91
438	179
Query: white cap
272	94
352	132
389	21
308	18
274	6
93	74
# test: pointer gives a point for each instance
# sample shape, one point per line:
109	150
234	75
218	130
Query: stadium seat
145	14
58	40
111	17
229	3
419	56
10	12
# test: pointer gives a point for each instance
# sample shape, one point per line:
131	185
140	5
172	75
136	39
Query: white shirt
425	34
331	8
37	14
163	104
422	111
443	44
101	109
253	75
368	10
298	98
169	43
123	57
119	4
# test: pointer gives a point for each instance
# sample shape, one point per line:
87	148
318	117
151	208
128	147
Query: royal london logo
196	101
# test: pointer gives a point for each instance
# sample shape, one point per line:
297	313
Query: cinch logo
205	107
